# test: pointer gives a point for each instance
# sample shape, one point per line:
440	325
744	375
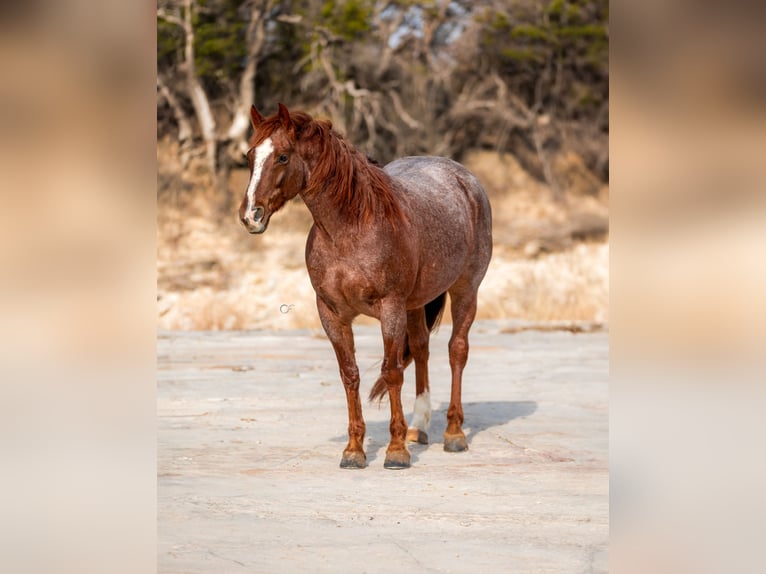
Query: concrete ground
251	426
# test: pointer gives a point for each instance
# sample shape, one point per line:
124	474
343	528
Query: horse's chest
347	288
350	285
352	276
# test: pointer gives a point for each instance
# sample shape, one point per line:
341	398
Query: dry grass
568	286
213	275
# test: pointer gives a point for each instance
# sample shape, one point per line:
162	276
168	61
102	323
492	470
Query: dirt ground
251	425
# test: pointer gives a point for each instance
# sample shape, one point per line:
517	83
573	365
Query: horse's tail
434	312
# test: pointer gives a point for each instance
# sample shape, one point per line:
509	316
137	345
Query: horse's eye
282	158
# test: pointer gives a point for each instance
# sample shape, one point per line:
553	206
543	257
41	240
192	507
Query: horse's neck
328	215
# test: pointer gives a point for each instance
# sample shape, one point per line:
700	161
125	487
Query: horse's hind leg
463	313
418	336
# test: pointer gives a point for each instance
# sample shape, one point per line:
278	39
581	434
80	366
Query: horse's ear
286	120
255	116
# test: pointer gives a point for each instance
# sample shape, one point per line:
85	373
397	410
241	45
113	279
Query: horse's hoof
353	460
417	435
397	460
455	443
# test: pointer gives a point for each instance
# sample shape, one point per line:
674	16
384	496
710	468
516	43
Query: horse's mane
356	184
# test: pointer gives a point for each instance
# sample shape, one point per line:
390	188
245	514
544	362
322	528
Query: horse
387	242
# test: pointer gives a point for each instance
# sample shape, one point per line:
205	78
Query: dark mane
360	187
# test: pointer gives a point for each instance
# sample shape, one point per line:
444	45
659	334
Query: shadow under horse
481	415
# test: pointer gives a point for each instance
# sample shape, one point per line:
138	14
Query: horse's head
277	171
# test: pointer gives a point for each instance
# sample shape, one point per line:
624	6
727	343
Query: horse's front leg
393	320
342	338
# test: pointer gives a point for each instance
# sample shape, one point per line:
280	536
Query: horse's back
440	180
453	211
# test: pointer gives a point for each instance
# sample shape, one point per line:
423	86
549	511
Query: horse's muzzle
253	220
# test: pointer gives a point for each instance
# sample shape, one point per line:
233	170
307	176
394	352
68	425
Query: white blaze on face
262	152
421	418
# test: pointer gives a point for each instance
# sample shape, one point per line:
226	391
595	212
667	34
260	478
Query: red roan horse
387	242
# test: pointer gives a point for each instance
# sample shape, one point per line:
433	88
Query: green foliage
219	38
348	19
170	43
563	10
569	37
497	22
522	55
530	32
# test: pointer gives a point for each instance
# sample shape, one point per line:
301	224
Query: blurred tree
397	77
550	59
208	52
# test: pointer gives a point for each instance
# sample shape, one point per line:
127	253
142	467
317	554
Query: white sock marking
262	152
421	416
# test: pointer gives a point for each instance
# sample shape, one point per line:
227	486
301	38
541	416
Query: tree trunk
182	119
198	96
256	36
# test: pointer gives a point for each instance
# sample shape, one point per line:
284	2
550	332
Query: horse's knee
351	386
350	376
393	375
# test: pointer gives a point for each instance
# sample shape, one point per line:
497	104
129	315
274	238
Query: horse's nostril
257	213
